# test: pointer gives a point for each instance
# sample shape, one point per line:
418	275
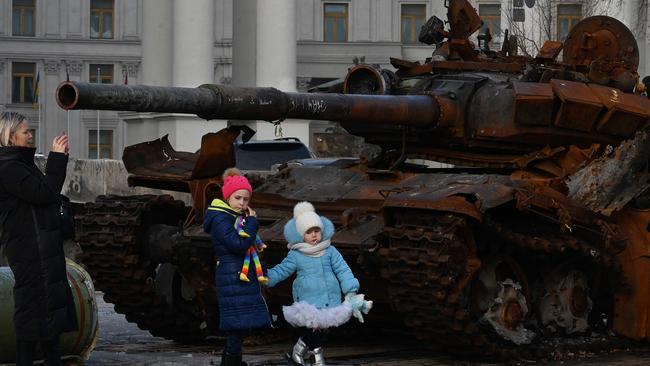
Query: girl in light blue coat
322	276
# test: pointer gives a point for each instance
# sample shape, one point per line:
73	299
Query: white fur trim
306	221
302	207
303	314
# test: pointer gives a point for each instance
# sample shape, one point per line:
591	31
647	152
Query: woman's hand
252	212
60	144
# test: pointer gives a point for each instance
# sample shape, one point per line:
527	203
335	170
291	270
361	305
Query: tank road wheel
498	297
565	304
112	234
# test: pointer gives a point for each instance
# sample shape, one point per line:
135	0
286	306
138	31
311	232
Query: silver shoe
299	351
319	357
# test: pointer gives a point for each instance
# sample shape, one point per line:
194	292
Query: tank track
108	233
429	264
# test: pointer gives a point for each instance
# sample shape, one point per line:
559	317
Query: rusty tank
539	231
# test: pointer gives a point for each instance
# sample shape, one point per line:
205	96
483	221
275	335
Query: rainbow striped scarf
251	253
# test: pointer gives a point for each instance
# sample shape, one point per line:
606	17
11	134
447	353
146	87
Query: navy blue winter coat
241	305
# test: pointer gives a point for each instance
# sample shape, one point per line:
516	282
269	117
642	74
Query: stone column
3	89
276	59
73	70
157	47
244	42
51	114
644	45
157	43
193	35
192	65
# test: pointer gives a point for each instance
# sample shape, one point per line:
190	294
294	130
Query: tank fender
466	198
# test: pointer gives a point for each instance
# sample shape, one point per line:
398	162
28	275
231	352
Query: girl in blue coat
322	276
233	226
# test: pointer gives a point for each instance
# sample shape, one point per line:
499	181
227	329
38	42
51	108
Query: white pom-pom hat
306	217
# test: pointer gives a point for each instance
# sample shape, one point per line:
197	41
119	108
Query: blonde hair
9	122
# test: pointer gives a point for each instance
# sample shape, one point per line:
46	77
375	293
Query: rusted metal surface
550	50
269	104
533	103
610	182
600	37
565	305
632	308
580	106
428	68
626	113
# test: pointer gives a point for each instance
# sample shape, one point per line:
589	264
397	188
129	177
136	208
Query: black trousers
314	339
51	352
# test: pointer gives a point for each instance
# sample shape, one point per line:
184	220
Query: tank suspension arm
210	101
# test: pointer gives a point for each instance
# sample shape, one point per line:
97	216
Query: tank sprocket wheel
109	234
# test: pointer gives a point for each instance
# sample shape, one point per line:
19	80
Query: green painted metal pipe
73	344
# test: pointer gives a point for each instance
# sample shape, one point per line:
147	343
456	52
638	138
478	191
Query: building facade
190	42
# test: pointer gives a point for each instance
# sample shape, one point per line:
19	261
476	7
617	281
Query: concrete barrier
88	178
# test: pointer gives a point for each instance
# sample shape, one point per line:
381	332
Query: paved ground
123	344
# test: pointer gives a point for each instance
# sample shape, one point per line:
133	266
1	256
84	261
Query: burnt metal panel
533	103
626	112
487	191
579	107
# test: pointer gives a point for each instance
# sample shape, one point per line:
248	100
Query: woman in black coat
44	307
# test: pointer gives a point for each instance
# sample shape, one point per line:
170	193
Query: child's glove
359	305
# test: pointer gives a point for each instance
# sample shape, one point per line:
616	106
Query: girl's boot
232	360
298	353
319	357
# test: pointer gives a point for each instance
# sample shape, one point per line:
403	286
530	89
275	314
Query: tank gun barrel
211	101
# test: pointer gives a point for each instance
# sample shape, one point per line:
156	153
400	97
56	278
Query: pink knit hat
234	181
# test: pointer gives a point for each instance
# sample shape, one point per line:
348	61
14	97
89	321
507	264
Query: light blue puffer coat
320	281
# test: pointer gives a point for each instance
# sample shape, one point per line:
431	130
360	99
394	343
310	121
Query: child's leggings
313	339
233	343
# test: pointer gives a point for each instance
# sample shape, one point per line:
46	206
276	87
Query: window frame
414	27
23	9
92	74
347	22
92	143
572	19
100	13
491	19
23	98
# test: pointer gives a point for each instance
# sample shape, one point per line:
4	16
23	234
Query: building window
105	144
335	22
568	15
105	73
22	82
491	16
413	16
101	19
23	17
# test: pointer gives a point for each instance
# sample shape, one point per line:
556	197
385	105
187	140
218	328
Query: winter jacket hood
292	235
